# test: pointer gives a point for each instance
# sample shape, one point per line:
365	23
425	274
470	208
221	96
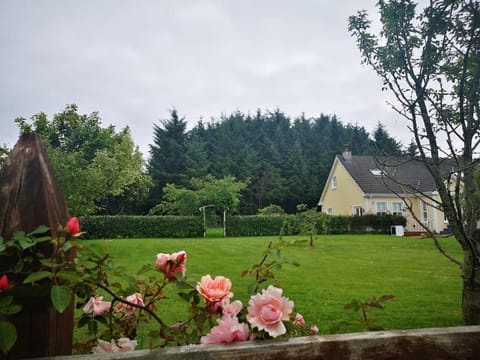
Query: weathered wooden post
30	196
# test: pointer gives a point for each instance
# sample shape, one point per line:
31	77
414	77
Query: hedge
262	225
126	226
256	225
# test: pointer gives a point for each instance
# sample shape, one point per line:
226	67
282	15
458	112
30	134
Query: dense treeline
284	162
268	157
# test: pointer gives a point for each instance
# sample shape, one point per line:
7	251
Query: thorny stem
117	298
257	276
365	319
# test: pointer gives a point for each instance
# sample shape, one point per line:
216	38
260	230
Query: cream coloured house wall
429	215
341	199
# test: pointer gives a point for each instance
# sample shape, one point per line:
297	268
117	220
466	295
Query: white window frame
334	182
398	212
424	212
330	211
377	207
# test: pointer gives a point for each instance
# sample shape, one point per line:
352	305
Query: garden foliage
125	226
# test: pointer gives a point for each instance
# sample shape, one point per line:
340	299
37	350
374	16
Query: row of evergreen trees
284	162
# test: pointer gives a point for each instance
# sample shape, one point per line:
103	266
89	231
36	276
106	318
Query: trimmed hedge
262	225
126	226
256	225
376	223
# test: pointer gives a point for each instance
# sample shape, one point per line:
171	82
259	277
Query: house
359	185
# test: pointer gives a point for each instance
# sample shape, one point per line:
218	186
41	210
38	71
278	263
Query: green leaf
26	243
84	320
8	336
68	245
18	235
11	309
42	239
71	276
36	276
61	297
46	262
42	229
2	245
6	300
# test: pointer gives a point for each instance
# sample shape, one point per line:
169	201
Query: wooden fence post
30	196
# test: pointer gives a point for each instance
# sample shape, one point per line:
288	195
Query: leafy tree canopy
92	163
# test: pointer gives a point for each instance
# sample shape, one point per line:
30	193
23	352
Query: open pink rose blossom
122	345
214	290
228	330
231	309
171	264
96	306
128	309
267	310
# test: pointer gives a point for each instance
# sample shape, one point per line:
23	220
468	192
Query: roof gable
369	173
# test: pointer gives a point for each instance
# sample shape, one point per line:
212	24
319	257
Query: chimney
347	154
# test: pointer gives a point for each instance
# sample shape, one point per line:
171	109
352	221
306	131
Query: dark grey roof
407	171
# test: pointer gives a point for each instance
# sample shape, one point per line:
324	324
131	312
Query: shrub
142	226
271	210
376	223
252	225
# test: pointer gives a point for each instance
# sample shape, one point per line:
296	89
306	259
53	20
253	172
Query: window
381	208
397	208
334	182
357	210
330	211
376	172
424	212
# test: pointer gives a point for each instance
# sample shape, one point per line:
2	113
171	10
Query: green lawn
427	287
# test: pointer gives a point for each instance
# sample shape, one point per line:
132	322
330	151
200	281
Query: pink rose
105	347
96	306
73	226
314	329
214	290
299	321
171	264
121	345
4	283
125	344
129	309
231	309
267	310
228	330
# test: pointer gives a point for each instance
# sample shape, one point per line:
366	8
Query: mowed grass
339	268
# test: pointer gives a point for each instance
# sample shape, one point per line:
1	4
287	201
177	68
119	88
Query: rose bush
213	315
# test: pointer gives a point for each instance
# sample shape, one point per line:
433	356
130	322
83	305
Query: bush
253	225
338	224
271	210
98	227
275	225
376	223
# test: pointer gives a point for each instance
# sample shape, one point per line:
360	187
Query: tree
92	163
383	143
167	154
3	154
430	61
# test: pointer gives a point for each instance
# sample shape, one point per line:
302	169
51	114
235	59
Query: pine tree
167	162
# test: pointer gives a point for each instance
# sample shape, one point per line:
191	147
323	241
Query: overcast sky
132	61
